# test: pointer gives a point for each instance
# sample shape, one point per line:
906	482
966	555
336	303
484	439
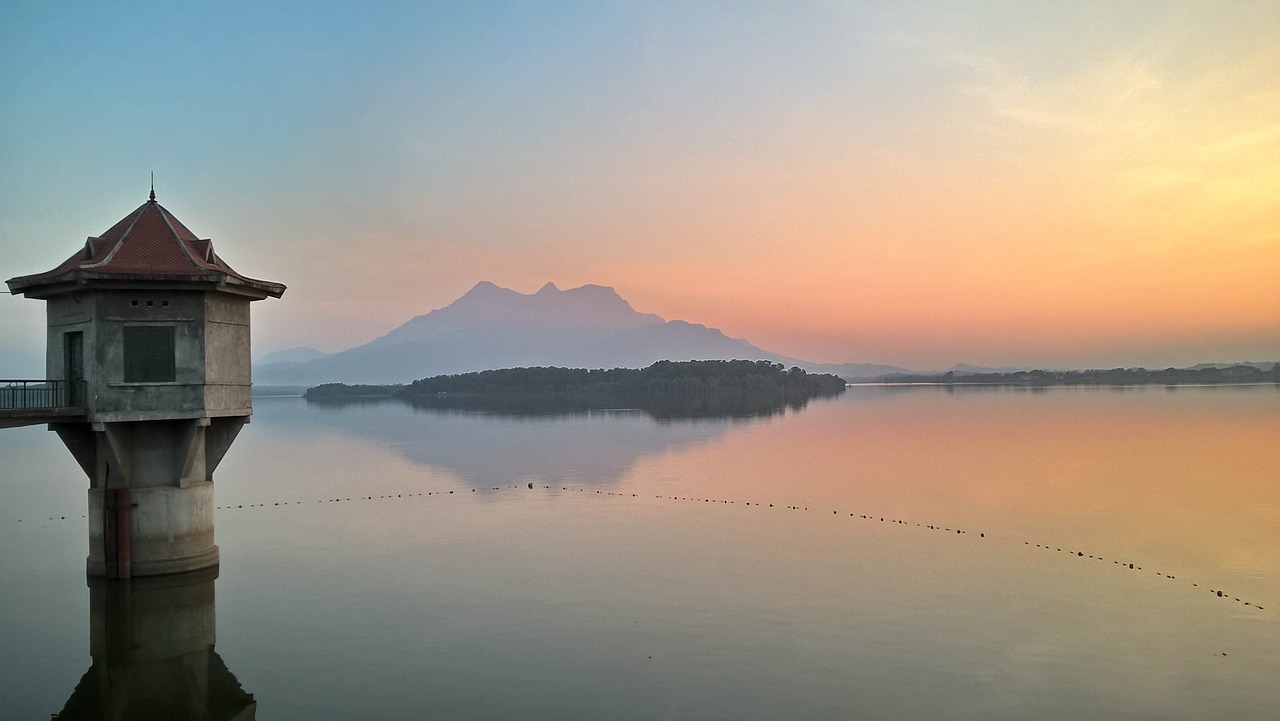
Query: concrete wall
211	352
116	400
67	314
142	454
171	530
228	384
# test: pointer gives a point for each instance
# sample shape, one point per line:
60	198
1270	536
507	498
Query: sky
1056	184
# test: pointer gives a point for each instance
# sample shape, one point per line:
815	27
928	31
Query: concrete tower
151	327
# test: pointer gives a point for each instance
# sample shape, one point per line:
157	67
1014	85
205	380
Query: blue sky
1058	184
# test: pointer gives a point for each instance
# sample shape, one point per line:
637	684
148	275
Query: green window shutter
148	354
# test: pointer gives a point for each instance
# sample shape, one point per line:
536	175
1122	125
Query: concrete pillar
151	492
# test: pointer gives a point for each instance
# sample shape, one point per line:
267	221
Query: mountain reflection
151	641
509	445
484	448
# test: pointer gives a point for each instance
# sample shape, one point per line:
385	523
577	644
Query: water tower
148	328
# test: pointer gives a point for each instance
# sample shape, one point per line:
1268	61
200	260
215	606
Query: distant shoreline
483	383
1058	385
1214	376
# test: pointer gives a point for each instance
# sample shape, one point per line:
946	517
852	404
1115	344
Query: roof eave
41	287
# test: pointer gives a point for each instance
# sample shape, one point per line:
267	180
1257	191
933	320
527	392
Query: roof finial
153	186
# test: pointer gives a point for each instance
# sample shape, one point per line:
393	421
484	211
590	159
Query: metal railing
35	394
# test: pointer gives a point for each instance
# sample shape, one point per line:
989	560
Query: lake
893	553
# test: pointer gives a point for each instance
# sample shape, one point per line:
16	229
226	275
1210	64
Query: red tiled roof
147	244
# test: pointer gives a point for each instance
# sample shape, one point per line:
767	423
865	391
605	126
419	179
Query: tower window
148	354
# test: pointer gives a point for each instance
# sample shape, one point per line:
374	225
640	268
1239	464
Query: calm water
712	569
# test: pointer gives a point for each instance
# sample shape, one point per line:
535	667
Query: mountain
1266	366
300	354
492	327
967	369
847	371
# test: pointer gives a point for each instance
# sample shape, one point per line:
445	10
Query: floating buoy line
1079	554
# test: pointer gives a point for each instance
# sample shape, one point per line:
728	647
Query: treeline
1115	376
665	389
342	391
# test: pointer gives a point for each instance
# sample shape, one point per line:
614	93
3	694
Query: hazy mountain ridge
1263	366
963	368
297	354
492	306
491	327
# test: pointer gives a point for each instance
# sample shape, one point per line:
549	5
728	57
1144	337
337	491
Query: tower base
153	531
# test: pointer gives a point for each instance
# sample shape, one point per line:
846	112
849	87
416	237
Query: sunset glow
1044	184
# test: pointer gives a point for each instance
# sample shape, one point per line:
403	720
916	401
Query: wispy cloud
1140	123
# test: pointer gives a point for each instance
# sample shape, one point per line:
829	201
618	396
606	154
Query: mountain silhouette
492	327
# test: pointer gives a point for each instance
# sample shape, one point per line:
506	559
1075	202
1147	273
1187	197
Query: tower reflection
151	640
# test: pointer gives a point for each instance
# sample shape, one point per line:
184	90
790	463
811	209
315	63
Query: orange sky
1048	184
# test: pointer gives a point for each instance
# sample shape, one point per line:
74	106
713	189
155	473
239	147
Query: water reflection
628	604
487	448
152	641
660	408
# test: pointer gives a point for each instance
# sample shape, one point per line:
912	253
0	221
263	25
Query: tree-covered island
666	389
